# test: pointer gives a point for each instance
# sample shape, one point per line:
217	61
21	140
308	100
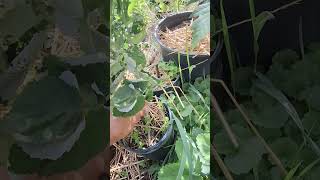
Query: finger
135	120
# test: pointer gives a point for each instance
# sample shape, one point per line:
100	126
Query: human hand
121	127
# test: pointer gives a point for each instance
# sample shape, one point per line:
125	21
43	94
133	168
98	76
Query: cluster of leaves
54	117
128	96
170	68
194	128
284	131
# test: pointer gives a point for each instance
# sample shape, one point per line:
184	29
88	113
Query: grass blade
308	168
227	42
292	172
186	147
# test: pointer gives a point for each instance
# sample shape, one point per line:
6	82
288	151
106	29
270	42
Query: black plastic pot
176	82
202	62
159	151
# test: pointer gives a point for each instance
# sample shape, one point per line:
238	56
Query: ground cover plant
51	109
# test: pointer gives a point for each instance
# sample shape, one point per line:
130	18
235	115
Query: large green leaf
247	157
93	139
138	106
203	144
170	171
201	25
137	55
55	149
224	145
269	117
35	112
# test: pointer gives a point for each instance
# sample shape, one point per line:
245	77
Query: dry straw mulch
127	165
151	130
180	39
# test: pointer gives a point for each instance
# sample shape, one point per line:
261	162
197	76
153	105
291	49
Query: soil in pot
179	38
150	129
153	136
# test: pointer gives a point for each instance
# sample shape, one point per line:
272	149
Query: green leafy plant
194	135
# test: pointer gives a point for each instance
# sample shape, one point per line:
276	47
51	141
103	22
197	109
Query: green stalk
180	70
255	41
188	60
227	43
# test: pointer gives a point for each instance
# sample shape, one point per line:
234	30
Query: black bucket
202	62
176	83
159	151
